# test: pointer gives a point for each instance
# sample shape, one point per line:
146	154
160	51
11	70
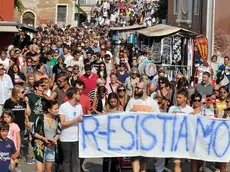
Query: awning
162	30
133	27
8	26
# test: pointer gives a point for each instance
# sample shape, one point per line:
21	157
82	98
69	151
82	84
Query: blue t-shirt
122	78
223	68
7	148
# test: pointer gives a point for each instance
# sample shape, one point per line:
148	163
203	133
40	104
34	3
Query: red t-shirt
90	83
84	102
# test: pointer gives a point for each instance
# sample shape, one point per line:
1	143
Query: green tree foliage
18	5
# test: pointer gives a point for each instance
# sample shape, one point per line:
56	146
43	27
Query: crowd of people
48	83
123	13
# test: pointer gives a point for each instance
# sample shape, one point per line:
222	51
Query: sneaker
29	161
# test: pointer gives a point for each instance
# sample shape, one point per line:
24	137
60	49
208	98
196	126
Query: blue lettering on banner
137	132
147	132
110	117
214	139
131	146
183	125
92	133
174	132
206	132
165	118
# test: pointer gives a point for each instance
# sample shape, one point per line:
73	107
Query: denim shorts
49	154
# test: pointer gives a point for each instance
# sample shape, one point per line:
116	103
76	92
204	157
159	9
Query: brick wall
45	10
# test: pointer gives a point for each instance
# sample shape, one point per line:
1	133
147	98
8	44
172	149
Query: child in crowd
13	134
7	148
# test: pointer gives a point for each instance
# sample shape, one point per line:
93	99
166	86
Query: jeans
71	161
22	150
160	164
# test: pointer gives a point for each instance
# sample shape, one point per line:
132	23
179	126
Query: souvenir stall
171	48
121	35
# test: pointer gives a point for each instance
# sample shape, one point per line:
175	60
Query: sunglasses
197	100
134	73
162	82
121	90
215	90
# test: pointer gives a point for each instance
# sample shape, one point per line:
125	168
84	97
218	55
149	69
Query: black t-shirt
57	70
36	105
18	110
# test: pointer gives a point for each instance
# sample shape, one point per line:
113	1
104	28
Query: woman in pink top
14	132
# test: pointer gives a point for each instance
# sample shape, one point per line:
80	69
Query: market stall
170	47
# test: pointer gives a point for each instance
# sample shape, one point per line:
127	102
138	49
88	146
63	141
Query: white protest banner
155	135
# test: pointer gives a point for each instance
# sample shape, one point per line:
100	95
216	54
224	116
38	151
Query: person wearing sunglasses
222	167
112	106
196	102
19	103
131	81
216	91
123	98
164	91
141	103
102	72
221	101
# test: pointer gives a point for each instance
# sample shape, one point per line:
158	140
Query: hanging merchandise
166	50
176	49
202	46
156	52
147	67
190	51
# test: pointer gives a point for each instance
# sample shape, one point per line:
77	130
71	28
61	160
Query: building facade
189	14
7	25
205	17
60	12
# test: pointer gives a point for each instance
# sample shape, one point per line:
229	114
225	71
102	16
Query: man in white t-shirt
71	114
181	108
4	60
141	103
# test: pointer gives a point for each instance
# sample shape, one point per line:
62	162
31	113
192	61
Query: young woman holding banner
112	106
196	102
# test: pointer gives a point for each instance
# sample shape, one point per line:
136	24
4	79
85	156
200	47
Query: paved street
94	165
